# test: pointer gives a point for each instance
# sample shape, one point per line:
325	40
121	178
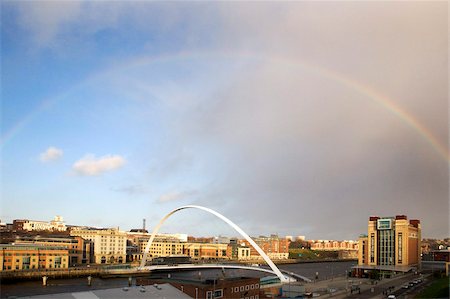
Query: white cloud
90	166
51	154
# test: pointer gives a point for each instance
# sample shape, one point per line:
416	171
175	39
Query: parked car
391	297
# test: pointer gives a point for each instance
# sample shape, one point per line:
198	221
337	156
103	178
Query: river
325	270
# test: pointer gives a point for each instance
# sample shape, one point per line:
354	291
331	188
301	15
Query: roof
150	291
31	246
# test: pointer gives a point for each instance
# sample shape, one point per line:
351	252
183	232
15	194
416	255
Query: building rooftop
150	291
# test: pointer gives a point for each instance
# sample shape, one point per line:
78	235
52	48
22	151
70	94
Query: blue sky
117	111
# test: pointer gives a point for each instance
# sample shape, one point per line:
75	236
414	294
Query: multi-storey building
167	245
273	246
32	256
237	251
162	246
209	251
109	243
79	248
57	224
391	244
333	245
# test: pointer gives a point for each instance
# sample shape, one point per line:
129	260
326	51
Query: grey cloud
131	189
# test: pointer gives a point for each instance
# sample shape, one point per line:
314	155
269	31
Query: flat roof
150	291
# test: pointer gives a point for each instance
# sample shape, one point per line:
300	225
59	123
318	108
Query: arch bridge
276	271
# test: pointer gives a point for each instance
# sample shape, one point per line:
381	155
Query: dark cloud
298	152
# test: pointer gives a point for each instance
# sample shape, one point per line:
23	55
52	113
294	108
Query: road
377	291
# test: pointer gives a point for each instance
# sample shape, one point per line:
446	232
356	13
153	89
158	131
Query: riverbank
13	276
104	271
297	261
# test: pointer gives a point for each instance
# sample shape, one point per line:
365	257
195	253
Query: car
391	297
405	286
411	284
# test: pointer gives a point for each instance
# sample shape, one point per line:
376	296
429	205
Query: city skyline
296	118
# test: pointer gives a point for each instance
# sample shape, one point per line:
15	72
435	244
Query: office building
33	256
109	244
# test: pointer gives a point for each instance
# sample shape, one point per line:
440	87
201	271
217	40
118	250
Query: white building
57	224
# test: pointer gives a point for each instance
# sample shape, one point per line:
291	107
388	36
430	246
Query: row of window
245	288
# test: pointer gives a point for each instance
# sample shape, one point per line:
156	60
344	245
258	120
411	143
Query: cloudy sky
296	118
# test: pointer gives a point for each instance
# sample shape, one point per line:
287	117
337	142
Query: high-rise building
391	244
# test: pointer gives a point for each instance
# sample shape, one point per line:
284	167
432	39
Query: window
236	289
209	295
58	262
372	248
218	293
247	287
400	247
242	288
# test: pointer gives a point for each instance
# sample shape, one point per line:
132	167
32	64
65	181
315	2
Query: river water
325	270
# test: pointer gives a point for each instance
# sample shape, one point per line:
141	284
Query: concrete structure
24	257
109	244
392	243
437	260
226	220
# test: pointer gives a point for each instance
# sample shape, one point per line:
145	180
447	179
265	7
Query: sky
290	118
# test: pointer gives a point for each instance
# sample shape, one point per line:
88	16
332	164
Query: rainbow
363	89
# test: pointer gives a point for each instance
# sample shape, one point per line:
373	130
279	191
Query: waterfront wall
51	273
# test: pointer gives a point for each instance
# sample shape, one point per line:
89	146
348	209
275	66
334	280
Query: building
109	244
437	260
57	224
79	248
392	244
232	287
168	245
334	245
345	249
273	246
33	256
206	251
238	251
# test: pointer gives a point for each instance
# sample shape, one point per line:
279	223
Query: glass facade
386	247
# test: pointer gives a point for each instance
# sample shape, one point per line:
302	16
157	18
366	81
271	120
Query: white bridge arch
225	219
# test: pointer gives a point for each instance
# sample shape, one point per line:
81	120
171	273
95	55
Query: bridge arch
226	220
